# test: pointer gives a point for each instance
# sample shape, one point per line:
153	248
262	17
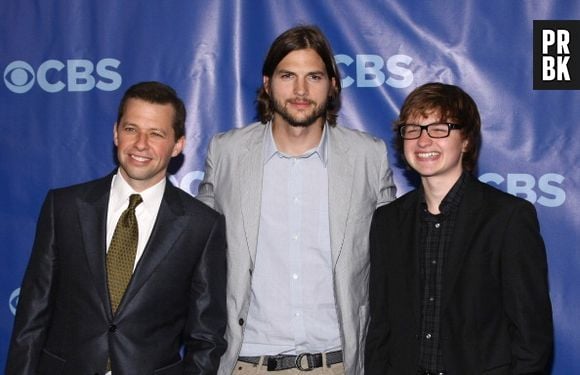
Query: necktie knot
128	217
134	201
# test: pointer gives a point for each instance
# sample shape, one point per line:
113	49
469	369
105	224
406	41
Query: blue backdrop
65	65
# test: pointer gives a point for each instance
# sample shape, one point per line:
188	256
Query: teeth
427	154
139	158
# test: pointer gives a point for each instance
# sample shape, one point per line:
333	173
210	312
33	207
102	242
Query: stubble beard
318	112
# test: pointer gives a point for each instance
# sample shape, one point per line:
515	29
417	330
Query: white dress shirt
292	307
146	212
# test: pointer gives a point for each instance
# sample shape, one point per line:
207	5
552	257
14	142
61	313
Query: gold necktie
122	250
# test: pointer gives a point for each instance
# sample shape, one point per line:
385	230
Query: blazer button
241	322
112	328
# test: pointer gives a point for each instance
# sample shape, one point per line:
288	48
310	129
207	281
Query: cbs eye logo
13	301
19	77
73	75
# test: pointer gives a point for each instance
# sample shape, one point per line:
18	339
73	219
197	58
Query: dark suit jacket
496	312
176	296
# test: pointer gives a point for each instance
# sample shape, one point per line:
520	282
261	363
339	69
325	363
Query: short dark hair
453	104
299	38
157	93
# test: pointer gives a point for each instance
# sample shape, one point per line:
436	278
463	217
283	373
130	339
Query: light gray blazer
359	180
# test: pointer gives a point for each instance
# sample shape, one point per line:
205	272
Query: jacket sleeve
387	188
204	341
206	187
34	310
525	291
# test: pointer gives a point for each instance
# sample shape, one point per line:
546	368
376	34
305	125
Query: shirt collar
270	148
121	190
453	198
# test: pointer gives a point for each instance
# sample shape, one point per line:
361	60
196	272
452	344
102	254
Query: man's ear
178	147
266	83
115	135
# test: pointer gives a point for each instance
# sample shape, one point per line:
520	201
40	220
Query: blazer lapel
340	180
250	176
93	223
171	220
464	231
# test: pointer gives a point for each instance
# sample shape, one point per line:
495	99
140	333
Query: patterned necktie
122	250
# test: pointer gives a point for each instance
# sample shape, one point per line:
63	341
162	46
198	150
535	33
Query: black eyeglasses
435	130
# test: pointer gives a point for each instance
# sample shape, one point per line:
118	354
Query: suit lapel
250	176
171	221
464	231
340	180
93	223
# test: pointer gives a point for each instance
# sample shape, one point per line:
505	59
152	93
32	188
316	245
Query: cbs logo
545	190
373	71
74	75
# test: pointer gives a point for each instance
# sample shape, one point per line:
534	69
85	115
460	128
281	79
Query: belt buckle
299	364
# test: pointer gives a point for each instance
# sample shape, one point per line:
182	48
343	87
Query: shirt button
241	322
295	237
112	328
428	336
431	299
433	262
437	225
295	276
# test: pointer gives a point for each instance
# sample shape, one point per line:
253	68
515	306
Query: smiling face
299	89
146	142
435	159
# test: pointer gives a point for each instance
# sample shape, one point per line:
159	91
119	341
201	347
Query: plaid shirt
436	232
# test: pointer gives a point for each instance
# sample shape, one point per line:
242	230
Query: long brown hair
298	38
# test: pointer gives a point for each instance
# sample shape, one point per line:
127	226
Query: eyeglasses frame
450	126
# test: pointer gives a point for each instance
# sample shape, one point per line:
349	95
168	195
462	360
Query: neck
296	140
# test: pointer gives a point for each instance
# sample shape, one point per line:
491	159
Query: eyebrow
285	71
128	123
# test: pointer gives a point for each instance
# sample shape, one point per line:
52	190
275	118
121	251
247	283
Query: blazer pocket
50	364
173	369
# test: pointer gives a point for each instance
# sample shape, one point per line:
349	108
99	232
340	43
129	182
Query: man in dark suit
76	315
458	281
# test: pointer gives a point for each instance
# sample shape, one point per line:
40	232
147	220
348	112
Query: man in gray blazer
298	193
